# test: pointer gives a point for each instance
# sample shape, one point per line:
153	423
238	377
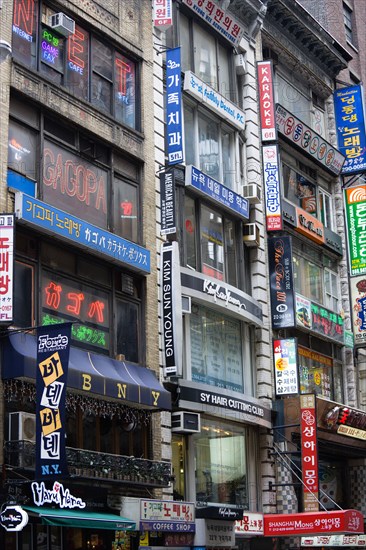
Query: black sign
53	348
219	512
281	282
167	203
13	518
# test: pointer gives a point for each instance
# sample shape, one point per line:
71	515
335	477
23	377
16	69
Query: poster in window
281	282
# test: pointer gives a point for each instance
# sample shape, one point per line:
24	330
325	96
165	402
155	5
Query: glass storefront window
216	349
299	190
221	465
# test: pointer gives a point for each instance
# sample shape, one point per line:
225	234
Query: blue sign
222	195
350	123
174	132
81	233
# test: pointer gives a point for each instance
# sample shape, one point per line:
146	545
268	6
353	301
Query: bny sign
266	101
6	268
313	523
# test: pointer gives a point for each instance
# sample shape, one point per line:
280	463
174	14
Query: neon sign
76	51
50	47
23	21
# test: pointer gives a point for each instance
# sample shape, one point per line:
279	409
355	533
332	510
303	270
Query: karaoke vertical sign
53	348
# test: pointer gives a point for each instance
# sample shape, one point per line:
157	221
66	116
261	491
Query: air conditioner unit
186	422
186	304
240	64
22	426
251	234
62	24
252	193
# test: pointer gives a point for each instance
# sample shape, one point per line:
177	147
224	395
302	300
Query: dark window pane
190	232
212	243
24	32
127	330
22	149
230	253
23	295
102	59
106	435
89	432
125	210
101	93
77	66
125	86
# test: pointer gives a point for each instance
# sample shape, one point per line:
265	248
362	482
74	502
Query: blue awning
89	372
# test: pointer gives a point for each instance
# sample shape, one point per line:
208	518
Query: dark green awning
78	518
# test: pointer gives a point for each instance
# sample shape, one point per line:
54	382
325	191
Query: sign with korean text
171	297
281	282
351	129
355	205
334	540
312	523
53	348
174	127
272	191
59	495
344	420
220	533
51	220
162	14
285	365
358	296
266	101
6	268
309	453
167	203
220	194
327	323
251	524
220	20
309	226
214	100
310	143
159	515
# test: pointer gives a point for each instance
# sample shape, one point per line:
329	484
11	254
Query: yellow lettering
156	395
87	382
122	390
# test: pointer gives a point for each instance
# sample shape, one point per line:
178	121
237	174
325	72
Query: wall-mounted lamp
5	50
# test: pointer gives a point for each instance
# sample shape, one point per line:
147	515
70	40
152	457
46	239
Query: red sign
309	453
266	100
313	523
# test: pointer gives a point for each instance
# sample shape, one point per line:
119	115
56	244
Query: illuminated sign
52	49
351	131
266	100
57	495
272	192
6	268
13	518
79	233
223	23
285	364
308	141
355	205
339	416
309	453
24	19
327	323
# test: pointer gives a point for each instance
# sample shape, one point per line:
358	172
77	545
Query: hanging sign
266	101
6	268
272	191
309	453
13	518
286	369
355	205
162	14
358	293
174	132
281	282
167	203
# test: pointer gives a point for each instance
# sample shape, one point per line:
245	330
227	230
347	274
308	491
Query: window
315	277
210	245
219	347
88	67
221	465
294	96
326	208
22	149
315	373
210	145
347	19
208	58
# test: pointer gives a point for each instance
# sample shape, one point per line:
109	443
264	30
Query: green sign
355	205
348	339
326	322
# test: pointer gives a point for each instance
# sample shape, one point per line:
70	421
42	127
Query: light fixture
5	50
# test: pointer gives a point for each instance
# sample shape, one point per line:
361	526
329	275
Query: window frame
347	21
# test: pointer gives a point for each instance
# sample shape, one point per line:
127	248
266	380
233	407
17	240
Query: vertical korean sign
309	453
350	123
281	282
285	364
174	107
162	14
355	205
53	347
272	192
6	268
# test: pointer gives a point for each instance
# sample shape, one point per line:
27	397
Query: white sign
6	267
13	518
334	540
272	192
215	101
251	524
167	510
57	495
220	533
162	14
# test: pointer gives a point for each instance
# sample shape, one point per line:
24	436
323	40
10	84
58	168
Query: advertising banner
272	191
174	132
358	295
309	453
351	131
355	205
281	282
286	367
53	348
6	268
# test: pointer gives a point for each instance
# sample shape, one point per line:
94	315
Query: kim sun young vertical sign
53	348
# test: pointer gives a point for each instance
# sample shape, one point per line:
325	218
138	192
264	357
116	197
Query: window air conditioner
22	426
62	24
186	422
252	192
240	64
251	234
